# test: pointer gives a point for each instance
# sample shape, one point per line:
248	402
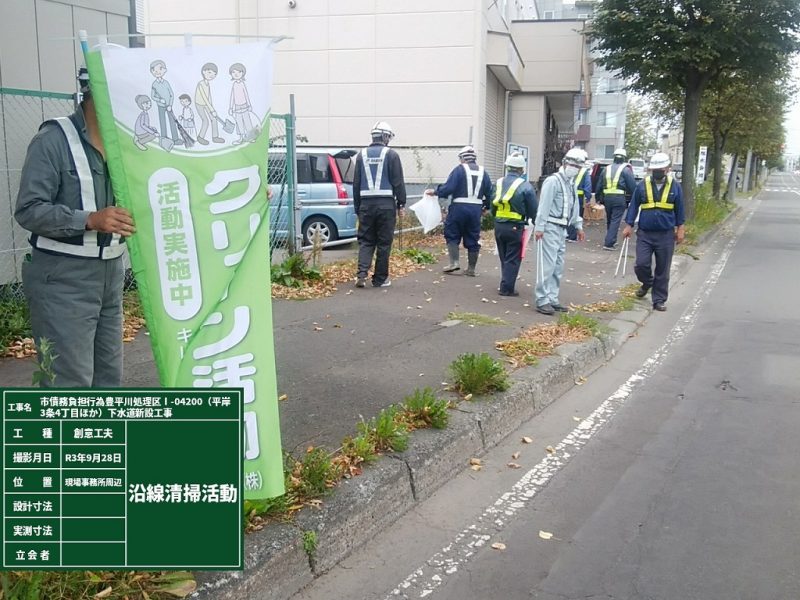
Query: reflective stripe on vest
612	187
566	190
472	190
89	247
374	185
662	202
504	204
579	181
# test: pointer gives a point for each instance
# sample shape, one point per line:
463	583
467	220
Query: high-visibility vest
612	187
662	202
579	181
375	182
503	203
88	245
472	188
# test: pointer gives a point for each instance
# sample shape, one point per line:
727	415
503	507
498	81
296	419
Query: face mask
659	174
571	171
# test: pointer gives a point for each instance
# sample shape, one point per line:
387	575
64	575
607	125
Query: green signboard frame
124	479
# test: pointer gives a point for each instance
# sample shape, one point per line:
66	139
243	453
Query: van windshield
637	163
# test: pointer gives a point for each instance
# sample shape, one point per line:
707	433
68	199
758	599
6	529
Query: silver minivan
639	168
324	193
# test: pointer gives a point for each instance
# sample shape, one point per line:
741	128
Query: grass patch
707	214
15	322
478	374
310	544
475	318
315	475
88	585
422	257
132	315
625	301
423	409
540	340
294	272
386	432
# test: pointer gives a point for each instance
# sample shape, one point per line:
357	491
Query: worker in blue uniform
658	202
514	205
471	190
615	187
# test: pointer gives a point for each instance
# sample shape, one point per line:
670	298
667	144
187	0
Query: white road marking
424	581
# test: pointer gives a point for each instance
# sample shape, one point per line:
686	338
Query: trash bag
428	212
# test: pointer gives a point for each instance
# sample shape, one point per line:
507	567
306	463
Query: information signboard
122	479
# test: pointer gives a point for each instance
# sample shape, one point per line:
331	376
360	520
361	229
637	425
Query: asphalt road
674	473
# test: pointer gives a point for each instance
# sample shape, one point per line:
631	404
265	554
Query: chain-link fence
21	113
282	181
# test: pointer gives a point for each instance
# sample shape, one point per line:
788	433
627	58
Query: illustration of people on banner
194	187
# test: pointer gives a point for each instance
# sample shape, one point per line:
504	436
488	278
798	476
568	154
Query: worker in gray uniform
74	275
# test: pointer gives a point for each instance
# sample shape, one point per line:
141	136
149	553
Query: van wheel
321	227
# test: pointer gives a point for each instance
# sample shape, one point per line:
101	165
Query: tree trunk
718	143
695	83
730	193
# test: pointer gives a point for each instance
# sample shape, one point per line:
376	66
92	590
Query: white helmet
468	154
382	130
659	160
575	156
621	152
515	160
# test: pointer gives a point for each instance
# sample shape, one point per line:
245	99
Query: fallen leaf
499	546
317	328
283	397
476	467
475	461
337	326
545	535
527	440
516	455
580	381
578	419
513	465
468	397
428	299
105	593
550	449
484	300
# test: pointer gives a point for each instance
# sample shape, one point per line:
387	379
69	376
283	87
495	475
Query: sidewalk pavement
377	345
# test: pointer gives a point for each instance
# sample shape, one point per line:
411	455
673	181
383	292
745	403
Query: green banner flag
186	132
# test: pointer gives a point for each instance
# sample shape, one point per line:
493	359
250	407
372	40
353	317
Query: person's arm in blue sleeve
357	184
680	217
451	186
487	191
586	186
529	196
633	208
630	182
601	181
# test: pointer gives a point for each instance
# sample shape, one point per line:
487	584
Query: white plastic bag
428	212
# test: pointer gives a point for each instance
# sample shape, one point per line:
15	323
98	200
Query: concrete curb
276	564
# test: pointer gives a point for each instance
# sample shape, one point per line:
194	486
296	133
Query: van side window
320	169
303	169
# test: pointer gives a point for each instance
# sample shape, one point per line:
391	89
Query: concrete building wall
528	115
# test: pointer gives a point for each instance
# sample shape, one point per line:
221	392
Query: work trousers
163	119
660	244
509	247
553	247
615	210
464	223
376	221
76	304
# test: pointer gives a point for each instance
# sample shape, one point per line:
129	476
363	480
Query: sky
792	122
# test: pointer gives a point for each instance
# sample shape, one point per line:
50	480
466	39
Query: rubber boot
452	250
473	261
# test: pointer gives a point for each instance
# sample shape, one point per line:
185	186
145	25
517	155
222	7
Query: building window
606	119
583	16
549	15
608	151
582	116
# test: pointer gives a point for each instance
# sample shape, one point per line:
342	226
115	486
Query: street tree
639	135
681	46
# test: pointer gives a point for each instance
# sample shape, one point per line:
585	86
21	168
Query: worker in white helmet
471	189
615	187
513	206
661	224
379	195
583	186
558	209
